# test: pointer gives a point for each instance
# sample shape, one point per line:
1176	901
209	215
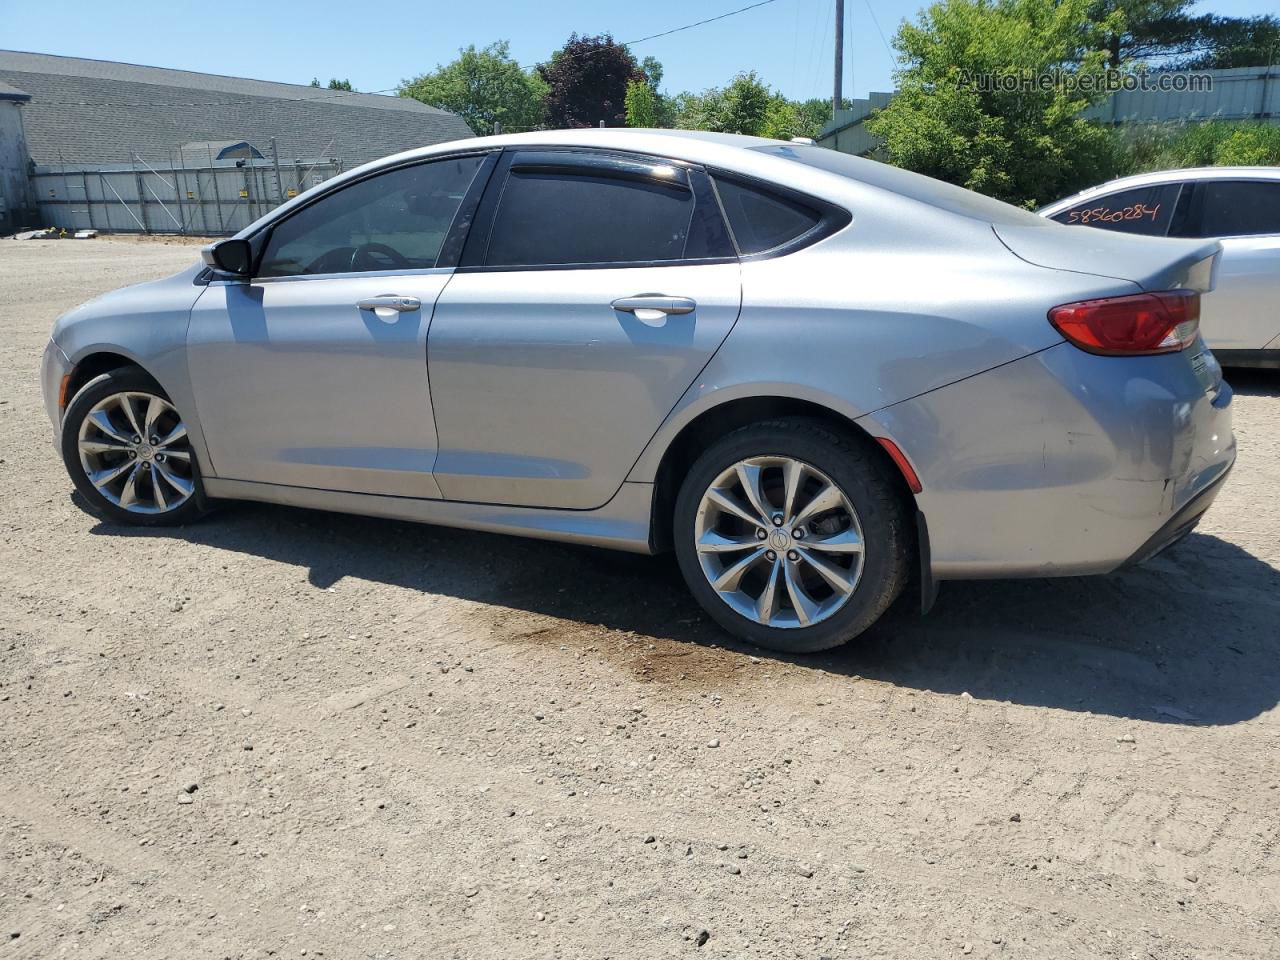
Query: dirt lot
411	742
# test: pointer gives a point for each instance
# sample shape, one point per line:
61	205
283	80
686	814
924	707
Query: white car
1240	206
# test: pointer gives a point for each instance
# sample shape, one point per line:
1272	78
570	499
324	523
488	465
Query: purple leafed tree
587	82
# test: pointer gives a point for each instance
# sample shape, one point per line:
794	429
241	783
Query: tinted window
561	217
393	221
947	196
1237	208
760	219
1146	210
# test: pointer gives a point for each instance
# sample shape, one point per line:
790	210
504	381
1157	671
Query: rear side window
761	219
1236	208
391	221
1145	210
554	217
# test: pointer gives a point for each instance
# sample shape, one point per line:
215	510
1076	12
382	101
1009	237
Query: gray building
17	204
125	147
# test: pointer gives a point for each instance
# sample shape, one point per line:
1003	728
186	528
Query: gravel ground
289	733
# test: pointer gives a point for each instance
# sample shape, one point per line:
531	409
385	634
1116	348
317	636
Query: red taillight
1129	326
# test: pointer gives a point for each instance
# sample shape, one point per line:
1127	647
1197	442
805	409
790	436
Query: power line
690	26
887	48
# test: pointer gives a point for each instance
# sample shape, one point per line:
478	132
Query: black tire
862	474
129	379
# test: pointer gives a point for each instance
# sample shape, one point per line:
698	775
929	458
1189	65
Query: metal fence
217	198
1238	93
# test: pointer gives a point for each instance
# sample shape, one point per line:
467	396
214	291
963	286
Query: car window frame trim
490	181
586	161
262	236
832	218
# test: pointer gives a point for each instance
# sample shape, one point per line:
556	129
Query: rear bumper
1063	463
1181	523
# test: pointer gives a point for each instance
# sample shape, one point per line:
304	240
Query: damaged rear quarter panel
1056	464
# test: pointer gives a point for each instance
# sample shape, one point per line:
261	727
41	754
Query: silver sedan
820	380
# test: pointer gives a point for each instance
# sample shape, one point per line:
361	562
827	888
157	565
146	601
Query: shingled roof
97	112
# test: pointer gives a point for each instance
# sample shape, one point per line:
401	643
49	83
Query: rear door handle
649	306
389	302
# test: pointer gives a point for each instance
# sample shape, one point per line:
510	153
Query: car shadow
1188	638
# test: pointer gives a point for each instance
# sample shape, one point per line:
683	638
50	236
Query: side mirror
233	256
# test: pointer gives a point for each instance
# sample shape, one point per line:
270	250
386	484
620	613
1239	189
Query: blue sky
377	44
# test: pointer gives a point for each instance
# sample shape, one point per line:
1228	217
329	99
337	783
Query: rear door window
762	219
555	217
1235	208
1146	210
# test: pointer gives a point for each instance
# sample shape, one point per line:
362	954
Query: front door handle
389	302
650	306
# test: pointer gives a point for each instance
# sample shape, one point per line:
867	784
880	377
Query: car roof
818	171
1156	177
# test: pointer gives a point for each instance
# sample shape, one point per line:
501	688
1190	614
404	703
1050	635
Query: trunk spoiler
1153	263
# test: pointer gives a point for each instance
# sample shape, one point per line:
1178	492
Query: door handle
652	304
389	302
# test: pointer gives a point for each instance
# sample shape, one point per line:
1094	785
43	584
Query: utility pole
837	94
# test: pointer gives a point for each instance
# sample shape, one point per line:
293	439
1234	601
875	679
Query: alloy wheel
779	541
135	451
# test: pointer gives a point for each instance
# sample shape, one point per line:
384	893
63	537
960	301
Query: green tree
1026	146
586	82
336	84
484	87
1165	34
653	71
1138	29
642	104
785	118
1233	42
741	107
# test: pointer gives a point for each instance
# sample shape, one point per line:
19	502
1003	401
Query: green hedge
1211	144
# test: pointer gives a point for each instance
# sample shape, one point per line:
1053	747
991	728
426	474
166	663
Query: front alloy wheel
134	450
126	447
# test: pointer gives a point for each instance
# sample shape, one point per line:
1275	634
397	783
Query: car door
314	373
1243	311
594	288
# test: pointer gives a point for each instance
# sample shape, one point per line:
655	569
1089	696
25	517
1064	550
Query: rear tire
826	522
126	448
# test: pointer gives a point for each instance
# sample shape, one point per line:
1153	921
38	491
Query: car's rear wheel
792	535
127	450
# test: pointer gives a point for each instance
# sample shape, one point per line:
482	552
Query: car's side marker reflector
62	392
897	456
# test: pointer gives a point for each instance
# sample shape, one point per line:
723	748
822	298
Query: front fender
147	325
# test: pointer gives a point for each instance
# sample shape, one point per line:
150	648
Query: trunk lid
1153	263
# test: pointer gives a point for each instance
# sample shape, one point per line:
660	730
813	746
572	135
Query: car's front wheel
126	448
792	535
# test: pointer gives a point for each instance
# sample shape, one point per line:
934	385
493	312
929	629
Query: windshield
948	197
